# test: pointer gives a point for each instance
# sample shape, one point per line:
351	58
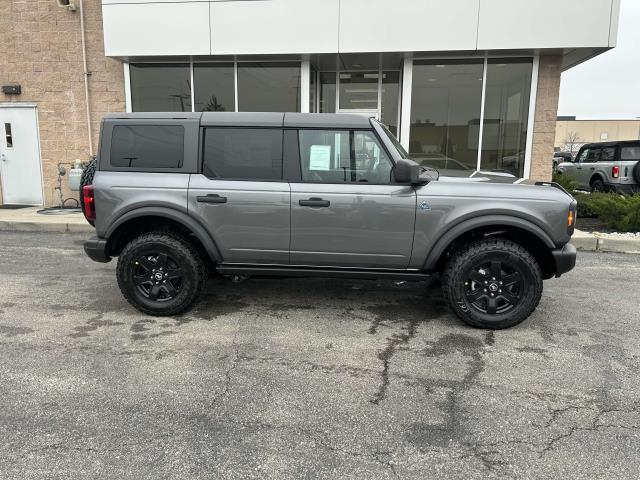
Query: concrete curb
589	242
45	227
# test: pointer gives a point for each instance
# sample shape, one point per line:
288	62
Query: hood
476	176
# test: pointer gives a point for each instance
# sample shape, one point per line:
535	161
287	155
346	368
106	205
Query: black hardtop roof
610	144
256	119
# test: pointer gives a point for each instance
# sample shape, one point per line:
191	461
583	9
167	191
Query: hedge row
619	212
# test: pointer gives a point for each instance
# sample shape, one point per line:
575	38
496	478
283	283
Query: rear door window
147	146
608	154
243	153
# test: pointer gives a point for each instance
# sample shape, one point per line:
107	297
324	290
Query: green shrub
617	211
566	183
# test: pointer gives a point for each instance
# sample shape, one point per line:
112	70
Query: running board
230	269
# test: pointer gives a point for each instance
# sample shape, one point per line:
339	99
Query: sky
608	86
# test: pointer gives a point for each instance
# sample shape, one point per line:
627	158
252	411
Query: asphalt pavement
311	378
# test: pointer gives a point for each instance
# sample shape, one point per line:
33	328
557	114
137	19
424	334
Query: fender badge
424	206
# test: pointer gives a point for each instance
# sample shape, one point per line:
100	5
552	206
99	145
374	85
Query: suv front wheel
492	283
160	273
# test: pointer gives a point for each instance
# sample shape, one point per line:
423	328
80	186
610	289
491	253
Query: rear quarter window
147	146
630	153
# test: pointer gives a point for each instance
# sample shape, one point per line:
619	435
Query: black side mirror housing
407	171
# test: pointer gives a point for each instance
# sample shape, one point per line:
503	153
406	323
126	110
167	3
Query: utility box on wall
11	89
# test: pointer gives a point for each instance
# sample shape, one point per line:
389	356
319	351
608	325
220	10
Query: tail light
89	203
615	171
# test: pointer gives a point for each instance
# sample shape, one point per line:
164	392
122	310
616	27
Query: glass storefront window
358	90
445	113
160	87
213	87
389	97
327	92
268	87
506	113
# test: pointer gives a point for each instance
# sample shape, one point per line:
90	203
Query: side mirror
406	171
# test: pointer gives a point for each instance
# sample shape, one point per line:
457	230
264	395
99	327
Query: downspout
86	79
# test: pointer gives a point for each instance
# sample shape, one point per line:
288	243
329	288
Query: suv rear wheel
160	273
492	283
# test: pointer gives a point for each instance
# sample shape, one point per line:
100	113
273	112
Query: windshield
403	153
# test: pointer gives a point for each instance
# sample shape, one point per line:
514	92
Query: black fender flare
454	232
182	218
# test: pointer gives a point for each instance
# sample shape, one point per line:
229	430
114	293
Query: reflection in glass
445	113
268	87
214	90
389	98
157	87
506	112
327	92
313	90
359	90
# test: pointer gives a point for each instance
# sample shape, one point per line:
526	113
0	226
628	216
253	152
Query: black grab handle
314	202
212	198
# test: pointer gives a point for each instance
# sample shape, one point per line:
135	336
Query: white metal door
20	168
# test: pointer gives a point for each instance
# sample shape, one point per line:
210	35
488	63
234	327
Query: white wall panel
274	26
408	25
156	28
544	23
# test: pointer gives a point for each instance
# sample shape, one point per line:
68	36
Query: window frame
201	151
351	131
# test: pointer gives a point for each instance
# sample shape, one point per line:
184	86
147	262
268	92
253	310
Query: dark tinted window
157	87
608	154
243	153
630	153
593	155
268	87
147	146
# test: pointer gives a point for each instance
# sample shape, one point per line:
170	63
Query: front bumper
96	249
565	258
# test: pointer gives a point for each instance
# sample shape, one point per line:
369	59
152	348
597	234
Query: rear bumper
96	249
565	258
627	189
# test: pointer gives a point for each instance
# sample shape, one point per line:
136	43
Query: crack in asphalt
228	371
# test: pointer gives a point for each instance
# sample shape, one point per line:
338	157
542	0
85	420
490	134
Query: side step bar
230	269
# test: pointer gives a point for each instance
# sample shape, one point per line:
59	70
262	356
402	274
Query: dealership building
464	84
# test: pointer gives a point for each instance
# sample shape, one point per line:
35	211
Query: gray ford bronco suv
178	196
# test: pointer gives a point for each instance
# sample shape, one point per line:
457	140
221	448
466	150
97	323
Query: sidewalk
29	220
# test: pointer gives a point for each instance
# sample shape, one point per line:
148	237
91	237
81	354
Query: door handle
592	168
212	198
4	158
314	202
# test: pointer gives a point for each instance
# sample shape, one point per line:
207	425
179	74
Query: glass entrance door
368	92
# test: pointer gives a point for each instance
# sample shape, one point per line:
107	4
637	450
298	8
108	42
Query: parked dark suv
610	166
175	196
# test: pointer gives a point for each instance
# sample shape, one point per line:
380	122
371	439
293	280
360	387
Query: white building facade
464	84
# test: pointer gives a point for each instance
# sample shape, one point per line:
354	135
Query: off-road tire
87	179
511	254
181	253
636	173
597	185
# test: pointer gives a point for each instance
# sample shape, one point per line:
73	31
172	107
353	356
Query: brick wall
41	50
544	128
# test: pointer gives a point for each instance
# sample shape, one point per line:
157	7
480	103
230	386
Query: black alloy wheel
157	276
494	287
